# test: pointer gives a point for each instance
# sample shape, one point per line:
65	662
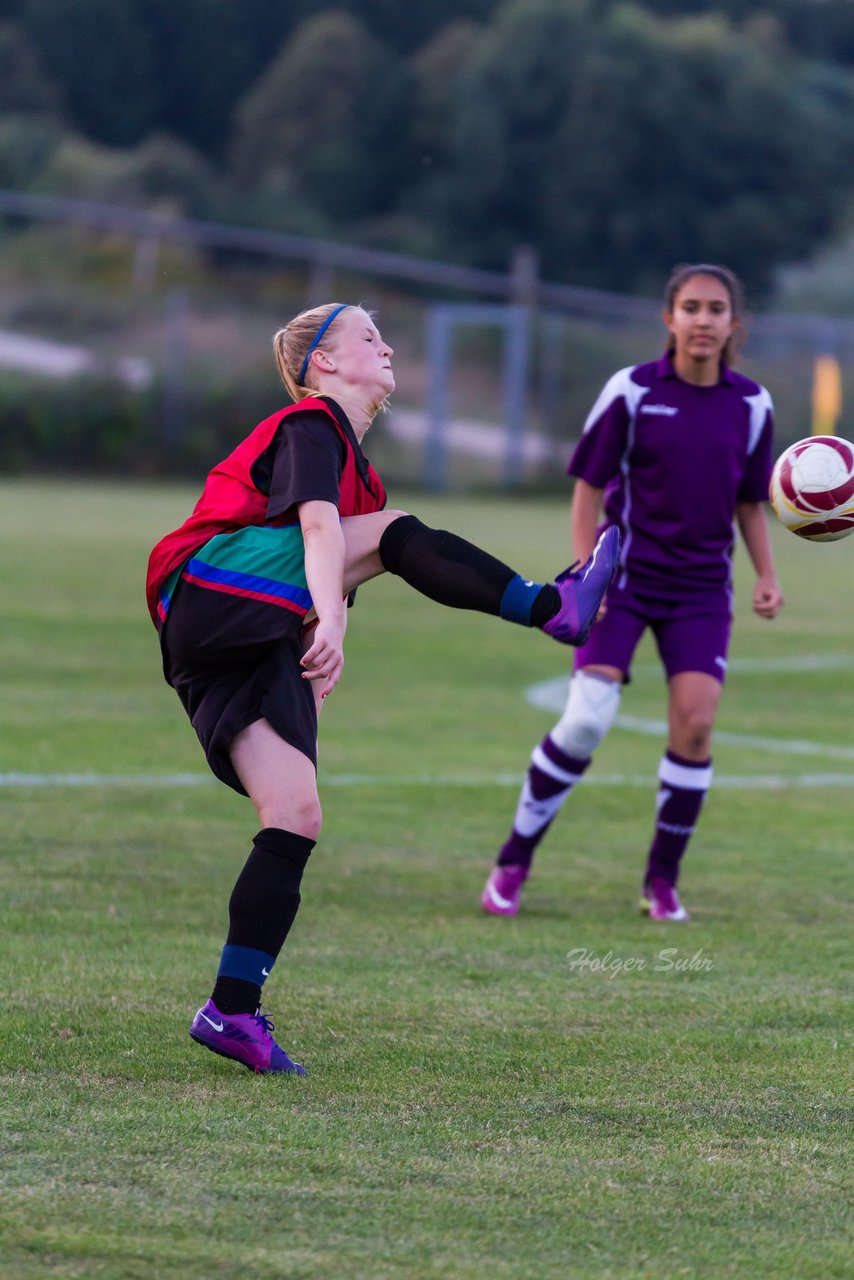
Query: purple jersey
673	460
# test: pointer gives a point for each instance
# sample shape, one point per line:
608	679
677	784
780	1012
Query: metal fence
497	370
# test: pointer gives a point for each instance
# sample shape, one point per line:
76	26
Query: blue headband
327	322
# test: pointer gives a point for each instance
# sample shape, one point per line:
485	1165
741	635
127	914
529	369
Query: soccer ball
812	488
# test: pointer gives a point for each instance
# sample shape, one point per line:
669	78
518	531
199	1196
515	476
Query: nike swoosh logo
266	972
217	1026
497	898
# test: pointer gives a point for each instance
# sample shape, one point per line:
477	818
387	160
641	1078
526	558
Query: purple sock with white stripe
551	776
683	787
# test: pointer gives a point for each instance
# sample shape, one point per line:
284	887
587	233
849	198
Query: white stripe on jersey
626	514
620	384
760	406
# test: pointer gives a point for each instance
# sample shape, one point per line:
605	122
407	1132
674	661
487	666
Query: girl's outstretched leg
457	573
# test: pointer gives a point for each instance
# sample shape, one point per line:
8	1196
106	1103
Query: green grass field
478	1105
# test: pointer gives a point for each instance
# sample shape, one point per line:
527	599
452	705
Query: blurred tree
102	53
130	66
207	54
436	70
821	29
161	172
510	97
421	221
24	86
612	136
407	27
329	108
27	143
619	147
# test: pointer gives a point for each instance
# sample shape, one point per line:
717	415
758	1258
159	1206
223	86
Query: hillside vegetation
612	137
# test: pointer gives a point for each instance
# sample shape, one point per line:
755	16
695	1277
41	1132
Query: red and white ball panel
812	488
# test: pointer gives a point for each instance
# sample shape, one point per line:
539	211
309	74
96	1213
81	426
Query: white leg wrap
590	711
532	814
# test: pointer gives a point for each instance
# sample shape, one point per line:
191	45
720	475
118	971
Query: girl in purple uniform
249	596
676	451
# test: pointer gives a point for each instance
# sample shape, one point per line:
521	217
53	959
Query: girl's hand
767	597
324	658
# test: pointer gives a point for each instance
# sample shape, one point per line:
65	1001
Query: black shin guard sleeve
443	566
266	896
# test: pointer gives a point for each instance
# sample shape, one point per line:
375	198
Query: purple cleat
660	902
503	890
581	591
245	1037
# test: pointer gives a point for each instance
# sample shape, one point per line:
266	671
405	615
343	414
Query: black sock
457	573
545	606
261	910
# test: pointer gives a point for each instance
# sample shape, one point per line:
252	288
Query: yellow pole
826	396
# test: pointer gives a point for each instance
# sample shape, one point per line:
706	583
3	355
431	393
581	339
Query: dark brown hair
680	275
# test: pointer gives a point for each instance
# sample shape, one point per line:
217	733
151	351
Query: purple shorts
691	634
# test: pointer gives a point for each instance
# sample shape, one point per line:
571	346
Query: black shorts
233	661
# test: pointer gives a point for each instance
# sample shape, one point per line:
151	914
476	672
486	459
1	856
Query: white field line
160	781
550	695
